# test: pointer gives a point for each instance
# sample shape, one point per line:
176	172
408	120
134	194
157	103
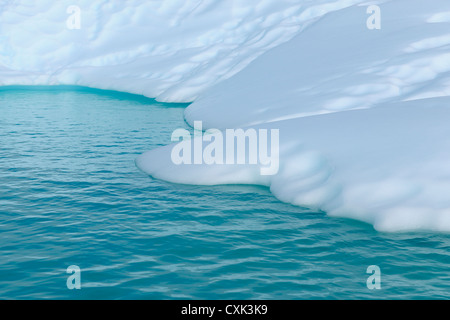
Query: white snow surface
170	50
363	114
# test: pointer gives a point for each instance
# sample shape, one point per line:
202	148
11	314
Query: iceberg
169	50
362	113
363	118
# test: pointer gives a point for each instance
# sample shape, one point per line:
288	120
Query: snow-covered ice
169	50
363	118
363	114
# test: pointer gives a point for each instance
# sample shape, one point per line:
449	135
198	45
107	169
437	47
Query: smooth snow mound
169	50
388	166
363	118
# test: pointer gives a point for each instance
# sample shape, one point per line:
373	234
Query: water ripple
72	195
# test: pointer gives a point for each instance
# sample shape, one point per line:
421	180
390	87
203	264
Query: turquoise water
72	195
